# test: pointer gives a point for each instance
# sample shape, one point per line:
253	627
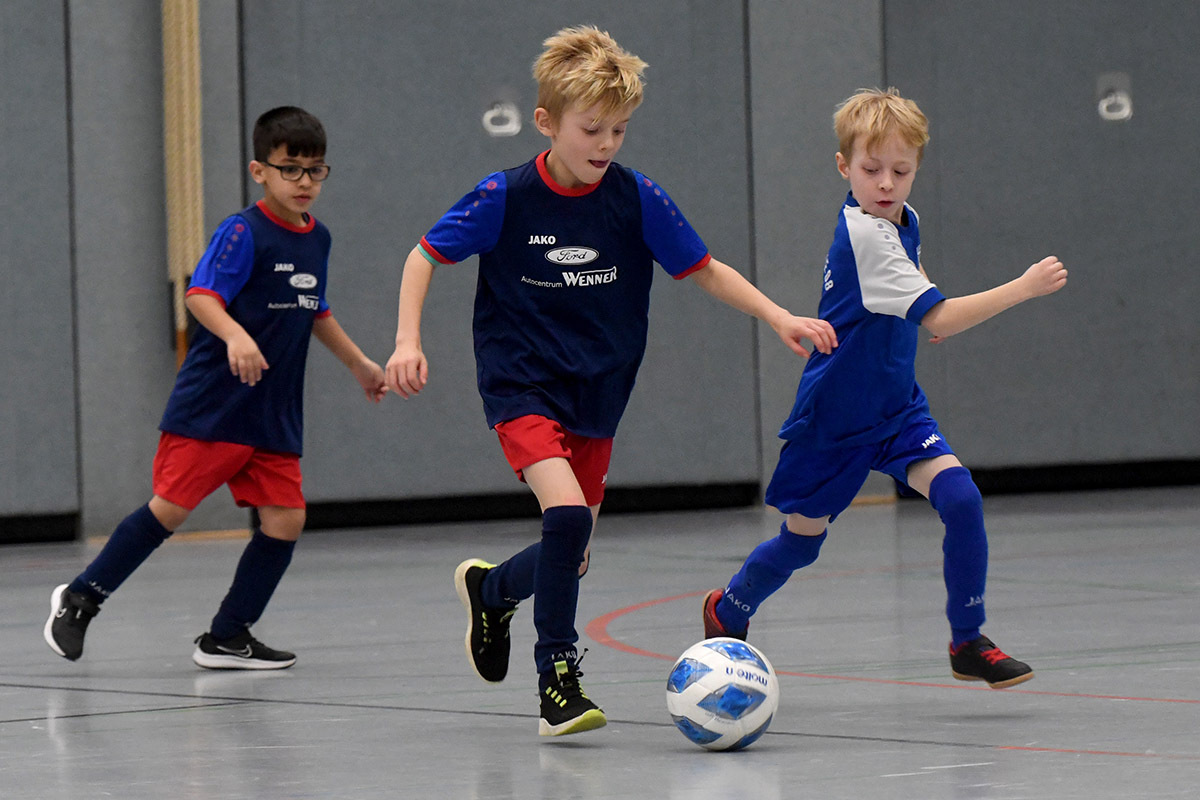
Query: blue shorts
823	483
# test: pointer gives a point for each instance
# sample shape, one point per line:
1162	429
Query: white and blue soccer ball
722	693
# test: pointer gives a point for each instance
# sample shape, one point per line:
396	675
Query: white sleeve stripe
889	280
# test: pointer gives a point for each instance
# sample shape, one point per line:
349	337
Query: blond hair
873	115
582	66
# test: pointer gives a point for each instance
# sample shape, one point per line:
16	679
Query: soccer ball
722	693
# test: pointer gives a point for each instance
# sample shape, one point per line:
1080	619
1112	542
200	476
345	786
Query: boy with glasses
235	414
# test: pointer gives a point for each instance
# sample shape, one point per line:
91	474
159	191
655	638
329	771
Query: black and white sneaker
70	613
565	708
487	641
241	652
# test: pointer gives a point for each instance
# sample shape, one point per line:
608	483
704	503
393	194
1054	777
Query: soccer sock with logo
131	543
766	569
565	534
965	549
512	581
259	571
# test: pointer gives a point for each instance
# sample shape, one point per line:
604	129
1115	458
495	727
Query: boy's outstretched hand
1045	277
792	330
370	377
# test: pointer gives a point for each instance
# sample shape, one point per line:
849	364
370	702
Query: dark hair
299	130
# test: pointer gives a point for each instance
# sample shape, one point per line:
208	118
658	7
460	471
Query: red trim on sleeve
428	248
209	292
323	314
699	265
557	188
283	223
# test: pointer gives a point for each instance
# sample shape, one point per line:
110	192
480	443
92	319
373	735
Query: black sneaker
980	660
70	613
565	708
241	652
712	625
487	638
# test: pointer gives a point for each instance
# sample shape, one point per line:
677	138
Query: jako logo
285	267
302	280
542	240
931	440
591	278
572	255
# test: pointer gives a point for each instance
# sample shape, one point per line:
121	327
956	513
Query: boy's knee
953	493
566	530
282	523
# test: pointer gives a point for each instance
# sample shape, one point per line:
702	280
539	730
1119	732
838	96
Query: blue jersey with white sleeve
270	276
563	292
874	296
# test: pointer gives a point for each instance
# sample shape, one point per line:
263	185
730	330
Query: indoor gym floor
1099	591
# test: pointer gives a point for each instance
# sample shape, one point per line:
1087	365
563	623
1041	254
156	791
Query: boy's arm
245	359
368	374
727	285
407	370
957	314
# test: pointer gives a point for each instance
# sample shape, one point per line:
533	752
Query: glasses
293	172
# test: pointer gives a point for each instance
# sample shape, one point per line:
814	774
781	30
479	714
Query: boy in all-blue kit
235	415
566	246
860	408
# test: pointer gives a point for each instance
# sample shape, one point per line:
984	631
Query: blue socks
547	571
766	569
565	534
957	500
511	582
259	571
131	543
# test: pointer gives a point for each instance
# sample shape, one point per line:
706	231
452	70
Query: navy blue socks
259	571
957	500
131	543
511	582
766	569
565	534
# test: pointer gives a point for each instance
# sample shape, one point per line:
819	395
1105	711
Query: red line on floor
597	629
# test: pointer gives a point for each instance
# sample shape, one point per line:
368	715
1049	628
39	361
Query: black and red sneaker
980	660
712	625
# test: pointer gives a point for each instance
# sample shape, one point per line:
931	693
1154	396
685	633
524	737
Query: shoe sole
210	661
587	721
48	630
460	586
1028	676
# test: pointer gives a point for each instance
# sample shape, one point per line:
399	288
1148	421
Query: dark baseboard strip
1086	477
31	528
24	529
424	510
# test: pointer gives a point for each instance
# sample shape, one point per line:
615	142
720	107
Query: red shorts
533	438
188	470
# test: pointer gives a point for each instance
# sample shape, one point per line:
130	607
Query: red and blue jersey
270	276
563	293
874	296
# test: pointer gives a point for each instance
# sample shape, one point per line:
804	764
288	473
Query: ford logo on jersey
572	255
302	280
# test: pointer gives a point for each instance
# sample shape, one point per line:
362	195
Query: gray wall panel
401	90
37	395
1021	165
